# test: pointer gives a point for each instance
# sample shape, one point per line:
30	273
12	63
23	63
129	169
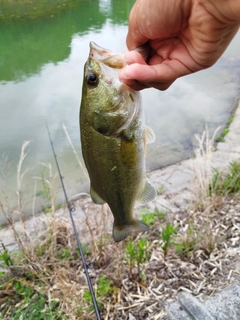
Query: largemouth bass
114	138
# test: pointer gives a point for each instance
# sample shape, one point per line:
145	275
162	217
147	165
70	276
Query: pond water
43	51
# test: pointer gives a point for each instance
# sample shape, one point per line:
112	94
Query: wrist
226	11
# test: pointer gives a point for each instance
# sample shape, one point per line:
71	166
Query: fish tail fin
121	232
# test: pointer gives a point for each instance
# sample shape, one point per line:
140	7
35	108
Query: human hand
184	36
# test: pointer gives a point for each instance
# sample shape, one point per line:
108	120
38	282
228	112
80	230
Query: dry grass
202	170
201	270
202	257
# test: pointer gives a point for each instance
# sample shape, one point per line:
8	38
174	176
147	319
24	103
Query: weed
219	139
32	304
137	253
197	234
230	120
226	182
151	217
64	254
223	134
5	258
188	242
225	131
166	236
160	189
85	249
40	249
2	273
232	178
148	218
104	289
214	185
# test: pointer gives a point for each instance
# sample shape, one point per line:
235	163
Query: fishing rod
75	231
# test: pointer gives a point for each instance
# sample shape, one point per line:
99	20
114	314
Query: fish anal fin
121	232
148	193
95	197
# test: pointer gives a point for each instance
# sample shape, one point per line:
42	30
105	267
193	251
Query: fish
113	140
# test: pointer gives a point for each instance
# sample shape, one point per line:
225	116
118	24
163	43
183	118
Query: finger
130	58
165	72
134	57
159	85
135	85
135	39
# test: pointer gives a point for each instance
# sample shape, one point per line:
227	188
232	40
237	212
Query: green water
44	45
30	41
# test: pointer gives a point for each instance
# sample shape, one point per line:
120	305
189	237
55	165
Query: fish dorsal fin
149	135
148	193
95	197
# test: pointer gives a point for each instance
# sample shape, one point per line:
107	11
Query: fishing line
75	231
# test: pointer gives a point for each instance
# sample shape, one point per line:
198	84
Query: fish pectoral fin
149	135
95	197
148	193
121	232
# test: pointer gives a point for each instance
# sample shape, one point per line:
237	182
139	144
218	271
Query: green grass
150	217
219	139
223	134
136	254
228	182
104	289
5	258
33	305
166	235
26	300
230	120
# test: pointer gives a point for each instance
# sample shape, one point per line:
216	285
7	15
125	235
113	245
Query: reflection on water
41	69
48	39
205	98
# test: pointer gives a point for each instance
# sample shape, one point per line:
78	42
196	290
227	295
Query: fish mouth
107	57
99	53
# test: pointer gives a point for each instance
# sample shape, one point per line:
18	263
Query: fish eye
92	79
